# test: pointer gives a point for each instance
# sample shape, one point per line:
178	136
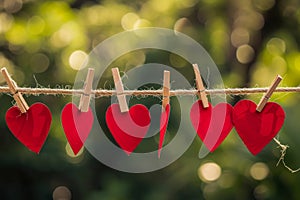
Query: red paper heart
128	128
30	128
164	119
257	129
77	125
212	124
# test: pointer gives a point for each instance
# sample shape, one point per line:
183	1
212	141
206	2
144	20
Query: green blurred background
43	43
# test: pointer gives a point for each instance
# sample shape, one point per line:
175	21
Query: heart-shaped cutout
77	125
212	124
257	129
128	128
30	128
164	119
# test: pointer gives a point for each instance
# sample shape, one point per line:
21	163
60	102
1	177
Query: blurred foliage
250	41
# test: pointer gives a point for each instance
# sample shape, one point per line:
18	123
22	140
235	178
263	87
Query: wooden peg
21	103
166	89
268	94
86	96
119	90
200	87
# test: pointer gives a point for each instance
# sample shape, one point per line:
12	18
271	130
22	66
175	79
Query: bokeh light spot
12	6
128	21
251	20
96	15
209	190
276	46
261	192
65	35
259	171
77	59
141	23
227	180
279	64
36	25
264	4
39	63
240	36
181	23
61	193
138	58
6	21
245	54
17	34
209	172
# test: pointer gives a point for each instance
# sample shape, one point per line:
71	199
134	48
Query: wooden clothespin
200	87
268	94
86	96
166	89
21	103
119	90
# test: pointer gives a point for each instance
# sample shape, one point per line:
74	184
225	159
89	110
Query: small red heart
212	124
128	128
257	129
77	125
30	128
164	119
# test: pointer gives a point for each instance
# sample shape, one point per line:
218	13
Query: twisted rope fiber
179	92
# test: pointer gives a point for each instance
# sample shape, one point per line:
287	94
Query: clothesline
179	92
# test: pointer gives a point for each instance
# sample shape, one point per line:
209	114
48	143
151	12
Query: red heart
212	124
164	119
257	129
30	128
77	125
128	128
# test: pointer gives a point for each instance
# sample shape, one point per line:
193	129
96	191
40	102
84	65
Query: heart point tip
159	152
